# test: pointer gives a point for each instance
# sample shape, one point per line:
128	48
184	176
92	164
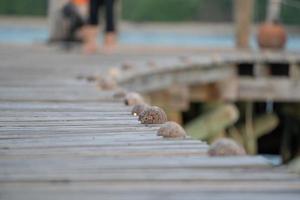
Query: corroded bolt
153	115
119	94
114	72
107	83
139	108
133	98
226	147
171	130
92	78
127	66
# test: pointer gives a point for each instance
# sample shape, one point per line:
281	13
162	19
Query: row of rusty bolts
148	114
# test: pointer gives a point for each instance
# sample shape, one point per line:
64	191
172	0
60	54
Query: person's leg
76	22
91	30
110	21
94	12
110	38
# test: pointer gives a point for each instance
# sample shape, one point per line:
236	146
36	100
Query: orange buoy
271	35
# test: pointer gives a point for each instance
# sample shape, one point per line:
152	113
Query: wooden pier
237	76
62	138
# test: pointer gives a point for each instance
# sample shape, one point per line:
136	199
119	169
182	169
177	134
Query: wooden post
294	72
250	138
274	7
243	18
54	19
260	70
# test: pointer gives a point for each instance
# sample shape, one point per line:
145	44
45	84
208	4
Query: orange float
271	35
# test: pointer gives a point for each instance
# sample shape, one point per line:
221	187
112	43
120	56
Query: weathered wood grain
61	138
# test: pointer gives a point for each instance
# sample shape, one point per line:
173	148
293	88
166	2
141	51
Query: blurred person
66	20
91	30
74	21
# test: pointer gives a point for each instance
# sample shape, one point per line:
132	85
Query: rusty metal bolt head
153	115
226	147
133	98
119	94
171	130
138	109
107	83
127	66
93	78
114	72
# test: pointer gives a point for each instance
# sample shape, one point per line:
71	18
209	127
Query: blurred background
213	20
164	11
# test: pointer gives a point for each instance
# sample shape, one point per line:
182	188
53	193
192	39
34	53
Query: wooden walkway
61	138
226	71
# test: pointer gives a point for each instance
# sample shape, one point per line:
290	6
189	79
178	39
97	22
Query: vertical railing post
243	19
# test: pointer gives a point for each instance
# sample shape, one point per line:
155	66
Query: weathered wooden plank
82	108
87	163
146	175
34	131
211	69
181	76
280	89
43	132
67	118
62	114
88	150
154	186
69	123
104	145
146	194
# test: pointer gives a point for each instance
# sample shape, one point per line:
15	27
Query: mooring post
250	138
274	8
243	19
55	30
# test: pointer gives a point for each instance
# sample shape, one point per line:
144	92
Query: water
22	35
28	35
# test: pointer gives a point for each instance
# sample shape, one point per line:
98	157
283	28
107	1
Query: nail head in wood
226	147
171	130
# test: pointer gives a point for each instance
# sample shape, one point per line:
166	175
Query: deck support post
243	18
54	18
274	8
250	138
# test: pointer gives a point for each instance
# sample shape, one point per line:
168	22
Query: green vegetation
162	10
177	10
23	7
290	15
